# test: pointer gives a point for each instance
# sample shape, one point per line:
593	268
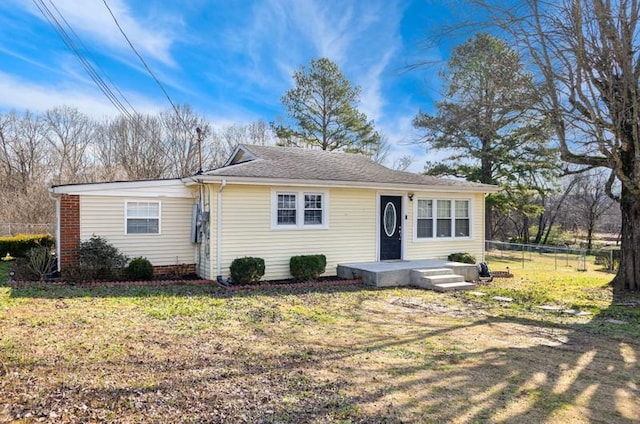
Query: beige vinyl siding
105	216
435	248
246	221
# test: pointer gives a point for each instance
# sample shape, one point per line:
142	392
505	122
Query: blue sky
230	60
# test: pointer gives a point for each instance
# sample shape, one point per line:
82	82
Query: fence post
611	260
555	258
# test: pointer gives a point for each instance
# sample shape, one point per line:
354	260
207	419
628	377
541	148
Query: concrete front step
433	271
430	282
443	287
439	279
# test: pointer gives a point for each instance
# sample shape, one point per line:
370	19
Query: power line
128	111
90	69
146	65
87	50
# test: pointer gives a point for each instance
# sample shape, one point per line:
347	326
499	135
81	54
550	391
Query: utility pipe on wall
219	232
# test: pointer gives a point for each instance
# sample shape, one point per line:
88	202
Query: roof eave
113	185
344	184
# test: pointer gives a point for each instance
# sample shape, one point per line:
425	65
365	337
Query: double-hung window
142	218
443	225
442	218
313	209
299	210
287	209
425	218
462	218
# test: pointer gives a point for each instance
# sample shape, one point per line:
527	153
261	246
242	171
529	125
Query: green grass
341	354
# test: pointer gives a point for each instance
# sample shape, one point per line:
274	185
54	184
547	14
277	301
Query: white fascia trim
344	184
96	187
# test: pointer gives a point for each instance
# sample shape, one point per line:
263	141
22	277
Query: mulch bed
324	282
151	283
502	274
285	284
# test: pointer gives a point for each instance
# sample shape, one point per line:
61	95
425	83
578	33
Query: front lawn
331	355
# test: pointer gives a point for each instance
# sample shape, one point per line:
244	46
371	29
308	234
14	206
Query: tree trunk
525	229
628	277
488	220
541	227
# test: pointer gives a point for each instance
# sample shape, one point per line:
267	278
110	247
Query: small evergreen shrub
140	269
307	267
98	260
463	257
18	246
247	270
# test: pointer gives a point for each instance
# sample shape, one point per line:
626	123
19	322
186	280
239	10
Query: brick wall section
179	270
69	230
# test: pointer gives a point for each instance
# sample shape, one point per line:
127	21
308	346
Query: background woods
63	145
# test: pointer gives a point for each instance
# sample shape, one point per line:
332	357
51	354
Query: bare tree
105	155
548	219
69	133
225	139
180	140
591	202
138	146
585	55
24	169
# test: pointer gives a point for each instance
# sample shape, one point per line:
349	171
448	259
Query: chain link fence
535	255
11	229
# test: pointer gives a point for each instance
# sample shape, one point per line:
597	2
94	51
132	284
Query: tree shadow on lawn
576	376
482	369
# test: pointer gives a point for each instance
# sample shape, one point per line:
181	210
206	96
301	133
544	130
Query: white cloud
91	19
20	95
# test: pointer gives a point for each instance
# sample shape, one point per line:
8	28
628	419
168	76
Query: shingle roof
293	163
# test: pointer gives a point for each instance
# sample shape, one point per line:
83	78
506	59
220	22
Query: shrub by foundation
140	269
97	260
307	267
18	246
247	270
465	258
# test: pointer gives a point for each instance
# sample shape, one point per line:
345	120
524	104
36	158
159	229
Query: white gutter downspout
57	200
219	232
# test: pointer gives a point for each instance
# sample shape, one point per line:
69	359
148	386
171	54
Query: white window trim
435	200
300	225
126	217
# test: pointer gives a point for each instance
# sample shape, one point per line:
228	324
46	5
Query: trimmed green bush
307	267
98	260
463	257
140	269
18	246
246	270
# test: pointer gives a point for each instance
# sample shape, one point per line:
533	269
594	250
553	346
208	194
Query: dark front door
390	227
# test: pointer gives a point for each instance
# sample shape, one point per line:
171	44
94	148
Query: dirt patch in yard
339	354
